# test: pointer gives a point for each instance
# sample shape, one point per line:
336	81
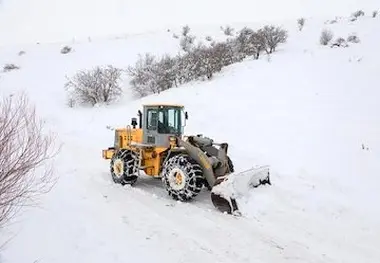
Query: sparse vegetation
340	42
228	30
24	157
66	49
187	41
200	62
99	85
301	23
273	36
358	13
353	38
10	67
374	13
326	37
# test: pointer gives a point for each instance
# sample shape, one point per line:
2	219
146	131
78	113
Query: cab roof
163	104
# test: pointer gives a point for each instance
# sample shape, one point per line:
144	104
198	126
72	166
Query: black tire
123	168
230	165
191	175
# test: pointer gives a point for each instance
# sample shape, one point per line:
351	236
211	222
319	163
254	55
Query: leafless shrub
187	40
25	152
201	61
353	19
301	23
209	60
273	36
99	85
340	42
353	38
175	36
187	43
374	13
243	43
21	53
208	38
152	75
10	67
185	30
250	43
228	30
326	37
66	49
334	21
358	13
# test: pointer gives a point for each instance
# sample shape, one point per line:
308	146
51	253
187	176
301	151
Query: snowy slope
307	110
56	20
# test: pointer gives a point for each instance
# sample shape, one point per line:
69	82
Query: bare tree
326	37
353	38
358	13
258	42
228	30
95	86
10	67
301	23
273	36
25	152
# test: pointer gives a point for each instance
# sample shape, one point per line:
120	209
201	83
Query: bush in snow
301	23
10	67
66	49
252	43
358	13
152	75
208	38
374	13
21	53
340	42
353	38
273	36
201	61
24	157
228	30
99	85
186	41
326	37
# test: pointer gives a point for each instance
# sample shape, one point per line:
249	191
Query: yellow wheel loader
185	164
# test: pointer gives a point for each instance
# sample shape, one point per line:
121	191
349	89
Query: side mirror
186	115
134	122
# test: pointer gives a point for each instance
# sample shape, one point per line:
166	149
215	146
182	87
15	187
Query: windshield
169	120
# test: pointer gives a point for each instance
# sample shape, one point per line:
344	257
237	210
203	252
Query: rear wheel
182	177
123	168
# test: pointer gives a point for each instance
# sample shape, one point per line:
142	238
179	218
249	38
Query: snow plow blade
227	188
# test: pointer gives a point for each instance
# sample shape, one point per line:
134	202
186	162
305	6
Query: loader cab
160	121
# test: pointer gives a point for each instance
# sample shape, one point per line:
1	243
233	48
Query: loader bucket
227	188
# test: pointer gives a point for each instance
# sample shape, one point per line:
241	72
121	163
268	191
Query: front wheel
123	168
182	177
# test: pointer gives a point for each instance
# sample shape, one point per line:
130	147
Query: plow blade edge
227	188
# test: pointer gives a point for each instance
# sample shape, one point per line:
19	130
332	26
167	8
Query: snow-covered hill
306	110
56	20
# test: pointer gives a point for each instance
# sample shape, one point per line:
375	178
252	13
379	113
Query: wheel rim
118	168
177	179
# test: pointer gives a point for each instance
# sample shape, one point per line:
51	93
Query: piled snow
306	111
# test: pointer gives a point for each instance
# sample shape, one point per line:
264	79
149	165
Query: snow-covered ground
56	20
306	111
